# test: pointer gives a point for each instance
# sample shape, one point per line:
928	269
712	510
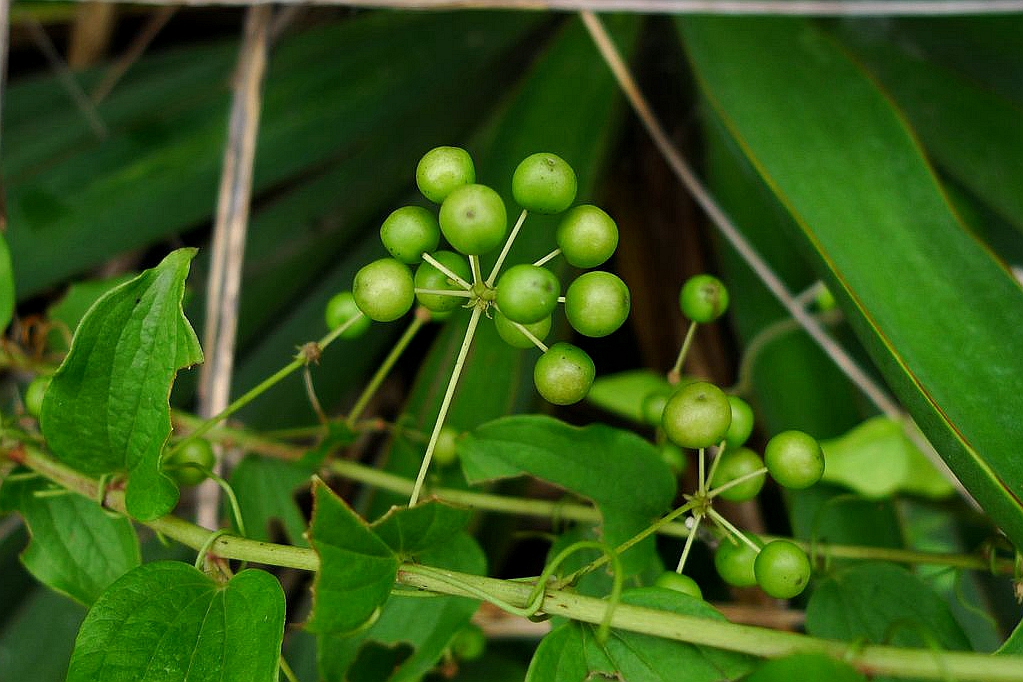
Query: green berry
527	293
384	289
653	407
734	561
443	169
782	569
735	464
34	394
587	236
469	643
826	300
697	415
408	232
473	219
794	459
679	582
563	375
445	451
742	422
511	334
341	309
429	277
189	464
674	457
597	303
544	183
703	298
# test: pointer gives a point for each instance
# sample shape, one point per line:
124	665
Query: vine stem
531	336
842	359
300	361
875	659
456	372
422	316
507	247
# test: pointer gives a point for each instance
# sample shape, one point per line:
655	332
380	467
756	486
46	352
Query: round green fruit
742	422
473	219
428	276
384	289
513	336
408	232
703	298
527	293
341	308
735	464
697	415
469	643
34	394
794	459
674	457
597	303
442	170
544	183
563	375
189	464
734	561
587	236
652	407
782	569
679	582
445	452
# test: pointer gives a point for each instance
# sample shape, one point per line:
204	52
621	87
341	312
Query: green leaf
6	285
68	312
885	604
106	409
425	626
1014	644
77	547
168	622
877	460
623	393
572	653
357	568
410	531
619	471
805	667
861	167
265	488
973	133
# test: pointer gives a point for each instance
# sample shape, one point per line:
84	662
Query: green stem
532	337
714	464
447	271
446	292
877	660
712	513
689	543
676	372
507	247
456	372
736	481
420	318
300	361
549	257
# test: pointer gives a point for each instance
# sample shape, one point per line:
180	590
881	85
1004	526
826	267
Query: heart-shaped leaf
409	531
357	568
618	470
167	622
106	409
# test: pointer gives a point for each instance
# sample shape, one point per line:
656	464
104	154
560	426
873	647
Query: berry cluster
698	415
521	299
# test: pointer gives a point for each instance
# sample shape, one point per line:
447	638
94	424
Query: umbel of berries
435	260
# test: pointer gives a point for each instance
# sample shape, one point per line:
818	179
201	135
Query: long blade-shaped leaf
940	316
